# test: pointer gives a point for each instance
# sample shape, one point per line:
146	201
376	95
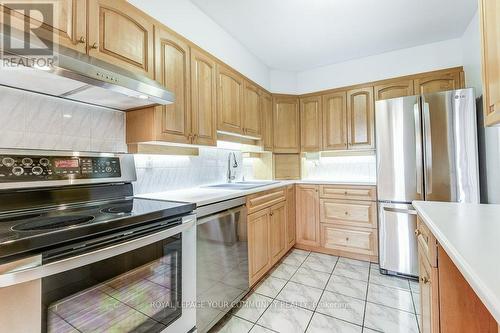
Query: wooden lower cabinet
308	231
277	227
268	239
290	219
344	227
259	240
448	304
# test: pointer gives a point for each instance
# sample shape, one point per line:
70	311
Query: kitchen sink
242	185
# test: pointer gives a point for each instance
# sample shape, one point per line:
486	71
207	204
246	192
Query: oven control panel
39	168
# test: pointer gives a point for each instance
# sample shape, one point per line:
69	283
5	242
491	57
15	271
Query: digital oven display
67	164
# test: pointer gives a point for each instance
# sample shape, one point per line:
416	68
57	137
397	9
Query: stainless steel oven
138	281
79	253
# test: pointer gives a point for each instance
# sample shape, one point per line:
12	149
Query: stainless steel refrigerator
426	150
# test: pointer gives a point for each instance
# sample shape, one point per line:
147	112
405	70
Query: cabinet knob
492	108
425	279
82	40
95	46
345	193
271	214
346	213
417	232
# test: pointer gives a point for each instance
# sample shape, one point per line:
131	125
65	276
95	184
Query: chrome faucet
230	175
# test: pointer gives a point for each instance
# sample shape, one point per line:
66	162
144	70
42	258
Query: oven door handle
18	275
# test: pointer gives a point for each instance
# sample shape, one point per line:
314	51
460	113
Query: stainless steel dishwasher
222	260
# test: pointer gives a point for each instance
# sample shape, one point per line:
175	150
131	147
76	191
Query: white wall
471	55
283	82
408	61
189	21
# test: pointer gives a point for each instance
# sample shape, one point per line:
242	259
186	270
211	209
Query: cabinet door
172	71
229	101
203	98
252	111
429	299
490	29
68	26
277	231
290	219
286	125
266	101
335	121
310	124
258	244
122	35
360	110
394	89
308	232
436	82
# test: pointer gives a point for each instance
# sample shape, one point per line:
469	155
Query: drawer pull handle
346	213
347	239
345	193
425	280
417	232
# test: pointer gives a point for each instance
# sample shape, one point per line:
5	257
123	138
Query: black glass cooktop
31	230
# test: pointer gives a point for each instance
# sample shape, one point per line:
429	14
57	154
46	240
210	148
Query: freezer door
398	243
450	146
399	149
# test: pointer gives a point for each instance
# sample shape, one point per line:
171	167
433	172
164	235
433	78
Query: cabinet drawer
354	240
355	213
427	243
364	193
259	201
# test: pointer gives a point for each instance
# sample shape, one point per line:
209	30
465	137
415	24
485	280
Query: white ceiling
297	35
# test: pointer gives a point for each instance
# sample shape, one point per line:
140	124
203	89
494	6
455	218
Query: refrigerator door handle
428	147
401	211
418	150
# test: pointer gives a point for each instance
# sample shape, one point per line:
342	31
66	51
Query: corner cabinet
121	34
310	124
286	125
266	104
360	115
308	228
490	33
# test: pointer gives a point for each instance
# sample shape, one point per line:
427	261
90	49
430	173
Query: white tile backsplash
34	121
342	168
164	173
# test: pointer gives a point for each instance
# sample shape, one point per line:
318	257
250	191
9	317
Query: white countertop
470	235
202	196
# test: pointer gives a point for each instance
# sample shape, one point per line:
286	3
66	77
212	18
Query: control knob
27	161
108	169
8	161
37	171
44	161
17	171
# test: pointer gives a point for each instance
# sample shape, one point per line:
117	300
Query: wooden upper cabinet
490	30
121	34
439	81
310	124
335	121
266	105
308	227
360	111
286	125
68	28
172	71
230	95
203	98
394	89
252	111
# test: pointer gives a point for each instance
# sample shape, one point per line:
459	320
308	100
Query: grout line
366	295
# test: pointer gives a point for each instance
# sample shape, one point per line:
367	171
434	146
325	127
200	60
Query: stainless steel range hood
76	76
